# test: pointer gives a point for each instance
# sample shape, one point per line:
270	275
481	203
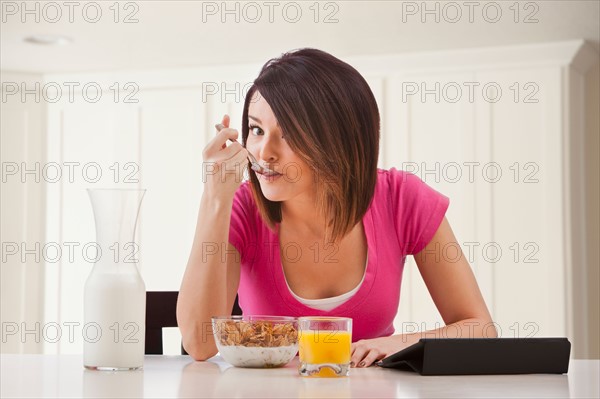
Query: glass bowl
256	341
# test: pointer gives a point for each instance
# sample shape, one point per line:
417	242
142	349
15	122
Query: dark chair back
161	307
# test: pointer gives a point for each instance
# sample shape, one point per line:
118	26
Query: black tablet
460	356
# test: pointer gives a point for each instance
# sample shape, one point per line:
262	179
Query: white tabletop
179	376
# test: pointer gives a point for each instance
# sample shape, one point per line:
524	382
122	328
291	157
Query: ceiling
194	33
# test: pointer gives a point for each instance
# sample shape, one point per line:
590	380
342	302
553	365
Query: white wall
22	212
592	167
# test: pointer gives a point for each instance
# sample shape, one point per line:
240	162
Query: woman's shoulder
243	198
396	179
416	208
243	191
400	187
244	212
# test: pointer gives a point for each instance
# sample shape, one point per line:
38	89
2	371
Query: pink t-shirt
403	217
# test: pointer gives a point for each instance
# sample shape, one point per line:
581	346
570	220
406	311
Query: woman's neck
302	215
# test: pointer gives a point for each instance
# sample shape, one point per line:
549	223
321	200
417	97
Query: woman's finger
229	152
358	354
372	356
226	120
240	158
236	162
220	126
218	143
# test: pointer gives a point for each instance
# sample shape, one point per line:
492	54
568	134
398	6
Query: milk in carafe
115	294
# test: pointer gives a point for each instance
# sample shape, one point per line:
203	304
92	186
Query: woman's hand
368	351
224	166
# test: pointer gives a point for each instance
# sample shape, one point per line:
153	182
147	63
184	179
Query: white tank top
332	302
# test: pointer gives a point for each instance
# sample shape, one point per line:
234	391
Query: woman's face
267	143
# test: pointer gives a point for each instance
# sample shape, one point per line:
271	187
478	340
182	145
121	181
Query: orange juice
325	345
317	347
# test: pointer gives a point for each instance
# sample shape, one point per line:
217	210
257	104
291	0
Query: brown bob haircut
330	119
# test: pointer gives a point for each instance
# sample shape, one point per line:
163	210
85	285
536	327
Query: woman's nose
268	150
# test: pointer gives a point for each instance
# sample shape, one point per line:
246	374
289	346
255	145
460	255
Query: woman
328	232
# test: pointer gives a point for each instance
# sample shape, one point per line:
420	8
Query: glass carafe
115	294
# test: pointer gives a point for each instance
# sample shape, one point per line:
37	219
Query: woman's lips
269	176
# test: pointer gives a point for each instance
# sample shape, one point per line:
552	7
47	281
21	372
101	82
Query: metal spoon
255	166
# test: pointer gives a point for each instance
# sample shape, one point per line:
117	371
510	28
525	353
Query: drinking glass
324	346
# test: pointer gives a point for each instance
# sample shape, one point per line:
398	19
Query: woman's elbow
201	356
488	329
199	351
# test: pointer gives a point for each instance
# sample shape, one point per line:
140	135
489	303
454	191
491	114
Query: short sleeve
418	210
241	223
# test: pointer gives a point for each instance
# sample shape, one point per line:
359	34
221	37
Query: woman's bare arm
210	281
452	284
212	274
455	292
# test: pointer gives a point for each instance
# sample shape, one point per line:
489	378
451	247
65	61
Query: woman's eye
255	130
